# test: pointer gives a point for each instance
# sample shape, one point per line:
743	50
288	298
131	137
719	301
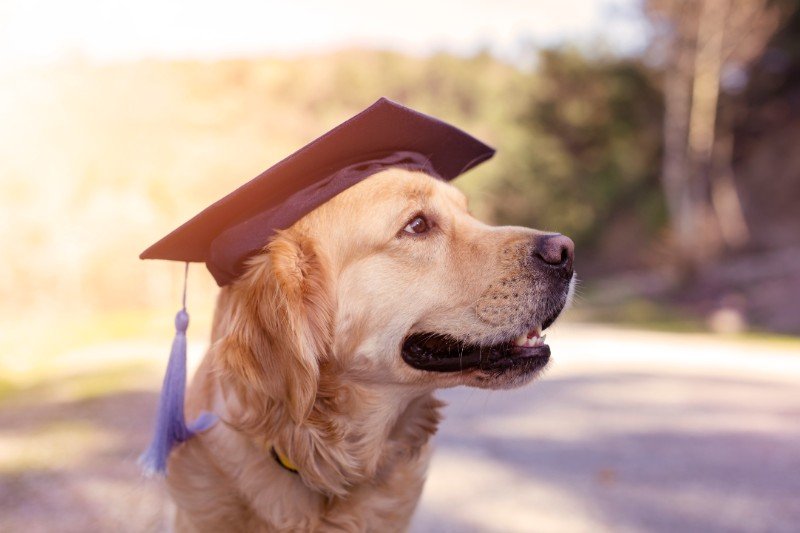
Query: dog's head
394	281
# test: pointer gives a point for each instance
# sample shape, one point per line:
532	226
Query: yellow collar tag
283	460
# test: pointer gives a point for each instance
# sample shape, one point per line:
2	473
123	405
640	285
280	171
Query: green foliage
99	161
590	149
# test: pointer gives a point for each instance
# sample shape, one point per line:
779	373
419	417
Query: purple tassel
171	428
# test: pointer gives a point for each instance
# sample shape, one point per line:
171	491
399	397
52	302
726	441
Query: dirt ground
627	431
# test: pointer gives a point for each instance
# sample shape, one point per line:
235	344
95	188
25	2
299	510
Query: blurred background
661	135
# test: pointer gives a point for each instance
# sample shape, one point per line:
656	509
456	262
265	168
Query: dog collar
283	461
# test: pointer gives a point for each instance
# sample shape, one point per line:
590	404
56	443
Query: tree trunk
675	172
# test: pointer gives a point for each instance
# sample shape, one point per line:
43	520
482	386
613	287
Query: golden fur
305	358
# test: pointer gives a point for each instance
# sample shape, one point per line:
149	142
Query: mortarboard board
384	135
239	225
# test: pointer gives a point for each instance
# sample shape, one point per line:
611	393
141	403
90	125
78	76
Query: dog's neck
357	432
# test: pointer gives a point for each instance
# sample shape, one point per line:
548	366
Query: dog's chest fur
351	480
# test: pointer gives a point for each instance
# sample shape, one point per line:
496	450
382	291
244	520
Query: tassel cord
171	428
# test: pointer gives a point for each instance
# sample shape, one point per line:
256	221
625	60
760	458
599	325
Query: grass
642	314
33	353
639	313
84	386
58	444
7	388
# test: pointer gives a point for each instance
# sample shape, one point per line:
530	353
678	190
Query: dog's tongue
531	339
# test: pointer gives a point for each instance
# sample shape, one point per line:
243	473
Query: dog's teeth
535	332
530	339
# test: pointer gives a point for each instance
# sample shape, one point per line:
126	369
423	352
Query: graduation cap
227	233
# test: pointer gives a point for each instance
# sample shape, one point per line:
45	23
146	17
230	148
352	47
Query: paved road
627	431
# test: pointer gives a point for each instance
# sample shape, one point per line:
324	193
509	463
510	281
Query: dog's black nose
554	251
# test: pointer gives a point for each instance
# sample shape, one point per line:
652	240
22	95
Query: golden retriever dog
327	351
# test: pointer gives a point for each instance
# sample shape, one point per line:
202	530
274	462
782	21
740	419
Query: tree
588	153
698	43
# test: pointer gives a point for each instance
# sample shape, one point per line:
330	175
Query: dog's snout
554	251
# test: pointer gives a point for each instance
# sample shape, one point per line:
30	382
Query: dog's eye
418	224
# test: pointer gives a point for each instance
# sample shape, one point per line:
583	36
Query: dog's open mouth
442	353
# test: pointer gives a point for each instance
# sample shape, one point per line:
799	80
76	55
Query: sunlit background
661	135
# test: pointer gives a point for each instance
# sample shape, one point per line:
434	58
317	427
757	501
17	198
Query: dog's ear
279	327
